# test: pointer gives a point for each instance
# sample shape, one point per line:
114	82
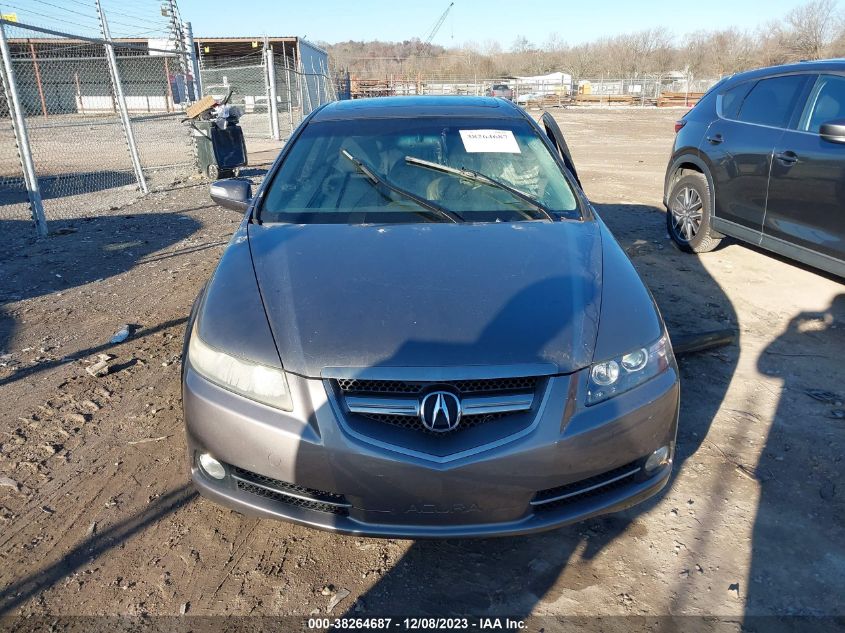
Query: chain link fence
290	94
14	200
78	142
155	90
75	135
550	90
104	119
248	85
295	93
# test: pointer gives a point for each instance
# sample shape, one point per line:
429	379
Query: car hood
420	296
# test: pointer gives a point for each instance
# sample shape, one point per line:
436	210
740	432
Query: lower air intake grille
554	498
290	494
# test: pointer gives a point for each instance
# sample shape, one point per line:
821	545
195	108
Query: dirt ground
97	515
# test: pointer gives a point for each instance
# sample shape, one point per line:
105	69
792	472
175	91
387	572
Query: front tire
688	216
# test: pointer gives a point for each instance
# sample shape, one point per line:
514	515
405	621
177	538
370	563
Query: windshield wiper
377	181
475	176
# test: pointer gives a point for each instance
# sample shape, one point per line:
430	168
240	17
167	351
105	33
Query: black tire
688	218
213	172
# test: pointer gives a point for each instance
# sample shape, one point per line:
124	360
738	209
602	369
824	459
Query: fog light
212	467
657	459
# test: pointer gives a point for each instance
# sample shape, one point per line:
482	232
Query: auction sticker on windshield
498	141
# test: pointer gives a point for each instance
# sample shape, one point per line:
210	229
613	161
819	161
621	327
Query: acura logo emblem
440	411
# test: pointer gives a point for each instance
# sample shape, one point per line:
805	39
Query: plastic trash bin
220	152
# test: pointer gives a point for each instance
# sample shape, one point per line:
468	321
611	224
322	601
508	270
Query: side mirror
232	193
833	131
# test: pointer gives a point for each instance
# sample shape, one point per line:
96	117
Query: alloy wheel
686	211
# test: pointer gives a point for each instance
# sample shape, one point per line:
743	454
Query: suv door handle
715	139
787	158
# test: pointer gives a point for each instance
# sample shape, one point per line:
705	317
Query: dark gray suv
762	158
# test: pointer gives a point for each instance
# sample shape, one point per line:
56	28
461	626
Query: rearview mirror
833	131
232	193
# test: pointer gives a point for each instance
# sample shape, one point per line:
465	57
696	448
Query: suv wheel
688	216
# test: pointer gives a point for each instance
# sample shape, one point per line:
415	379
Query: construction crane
439	23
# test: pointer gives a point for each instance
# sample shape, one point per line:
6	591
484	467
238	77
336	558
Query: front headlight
617	375
264	384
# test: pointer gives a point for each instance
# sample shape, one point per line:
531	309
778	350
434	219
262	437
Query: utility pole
121	100
192	55
33	189
179	40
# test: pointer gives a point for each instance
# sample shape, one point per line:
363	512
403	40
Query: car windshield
369	171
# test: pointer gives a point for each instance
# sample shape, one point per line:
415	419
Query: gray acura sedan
423	329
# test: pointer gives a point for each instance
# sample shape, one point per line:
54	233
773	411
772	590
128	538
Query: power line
121	10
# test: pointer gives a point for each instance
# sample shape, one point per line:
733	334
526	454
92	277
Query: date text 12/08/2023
416	624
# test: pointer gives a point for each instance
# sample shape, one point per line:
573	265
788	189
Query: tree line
814	30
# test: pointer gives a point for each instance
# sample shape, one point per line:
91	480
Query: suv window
826	102
772	101
732	99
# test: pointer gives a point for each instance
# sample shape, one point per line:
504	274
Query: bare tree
581	61
522	45
813	30
837	48
725	52
810	29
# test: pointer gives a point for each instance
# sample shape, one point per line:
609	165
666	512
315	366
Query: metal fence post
325	93
266	77
290	91
121	101
304	91
272	106
192	58
331	93
33	189
316	84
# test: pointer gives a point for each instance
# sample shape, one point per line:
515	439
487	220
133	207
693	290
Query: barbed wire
82	17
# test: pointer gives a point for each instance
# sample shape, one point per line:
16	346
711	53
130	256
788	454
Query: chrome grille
487	385
396	403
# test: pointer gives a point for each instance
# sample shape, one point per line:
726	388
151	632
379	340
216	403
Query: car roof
820	65
418	106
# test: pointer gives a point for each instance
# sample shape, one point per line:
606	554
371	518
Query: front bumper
576	462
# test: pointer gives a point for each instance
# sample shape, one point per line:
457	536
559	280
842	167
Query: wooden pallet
605	99
668	99
547	101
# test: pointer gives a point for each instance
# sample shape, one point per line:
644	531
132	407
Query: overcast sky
471	20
